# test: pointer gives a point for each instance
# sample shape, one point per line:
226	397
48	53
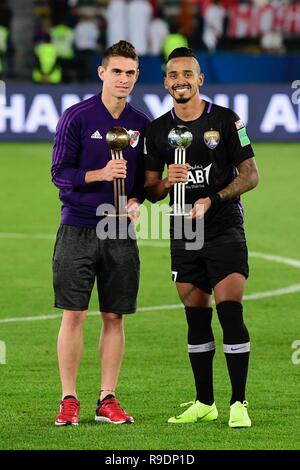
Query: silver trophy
117	139
180	137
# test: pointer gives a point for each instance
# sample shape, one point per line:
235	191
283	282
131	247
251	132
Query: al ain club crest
211	139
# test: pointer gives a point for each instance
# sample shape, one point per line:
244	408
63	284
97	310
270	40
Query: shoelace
69	406
115	405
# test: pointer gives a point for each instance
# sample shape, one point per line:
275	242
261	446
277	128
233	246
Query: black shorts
80	257
206	267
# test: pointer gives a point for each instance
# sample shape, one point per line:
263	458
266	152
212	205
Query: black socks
201	349
236	346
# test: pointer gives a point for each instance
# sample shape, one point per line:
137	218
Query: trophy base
105	214
182	214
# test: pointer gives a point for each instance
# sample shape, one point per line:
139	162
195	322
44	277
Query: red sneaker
110	411
68	412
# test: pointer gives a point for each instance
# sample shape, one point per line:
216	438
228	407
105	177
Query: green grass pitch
156	376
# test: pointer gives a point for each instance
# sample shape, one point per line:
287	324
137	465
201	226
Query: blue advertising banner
271	112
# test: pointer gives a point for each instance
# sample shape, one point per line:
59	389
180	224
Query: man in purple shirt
84	172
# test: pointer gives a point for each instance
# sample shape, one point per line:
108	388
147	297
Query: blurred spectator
272	42
275	3
139	17
5	14
196	41
186	17
117	26
86	34
156	6
3	48
214	20
86	43
203	4
158	31
173	40
231	3
60	11
47	70
62	37
6	45
42	29
41	8
82	4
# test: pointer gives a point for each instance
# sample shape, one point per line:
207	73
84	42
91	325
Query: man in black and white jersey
219	167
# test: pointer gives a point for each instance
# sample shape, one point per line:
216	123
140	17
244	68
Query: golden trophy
117	139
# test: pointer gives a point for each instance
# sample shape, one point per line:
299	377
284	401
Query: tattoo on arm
246	179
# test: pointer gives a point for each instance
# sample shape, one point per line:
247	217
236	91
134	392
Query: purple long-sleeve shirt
80	146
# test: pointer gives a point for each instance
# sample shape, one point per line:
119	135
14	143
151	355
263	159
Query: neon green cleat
196	412
239	417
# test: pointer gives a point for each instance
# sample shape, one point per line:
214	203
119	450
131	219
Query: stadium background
262	87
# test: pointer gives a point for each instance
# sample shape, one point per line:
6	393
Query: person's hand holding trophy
118	139
180	138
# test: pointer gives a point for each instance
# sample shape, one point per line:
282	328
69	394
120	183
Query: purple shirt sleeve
65	170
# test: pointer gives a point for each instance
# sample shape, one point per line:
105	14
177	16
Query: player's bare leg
69	349
111	351
230	288
192	296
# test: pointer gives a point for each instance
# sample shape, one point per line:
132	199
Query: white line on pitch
153	243
255	296
278	259
35	236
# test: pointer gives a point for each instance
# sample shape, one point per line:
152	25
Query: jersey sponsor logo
96	135
198	176
212	139
134	137
239	124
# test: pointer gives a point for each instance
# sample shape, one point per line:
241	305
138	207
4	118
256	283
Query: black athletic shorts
206	267
80	258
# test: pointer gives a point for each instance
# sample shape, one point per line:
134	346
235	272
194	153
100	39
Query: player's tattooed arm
247	179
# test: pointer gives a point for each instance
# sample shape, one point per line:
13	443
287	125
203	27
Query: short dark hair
182	52
120	49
